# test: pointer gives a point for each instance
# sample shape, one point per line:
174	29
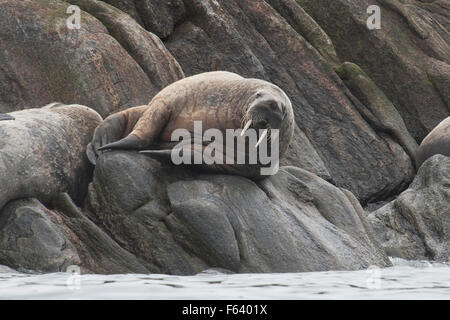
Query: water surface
405	280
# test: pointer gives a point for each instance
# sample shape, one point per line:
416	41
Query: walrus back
436	142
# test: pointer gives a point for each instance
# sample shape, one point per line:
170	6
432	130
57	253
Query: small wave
405	280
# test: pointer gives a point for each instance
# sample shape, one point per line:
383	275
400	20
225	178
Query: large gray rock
161	16
112	63
253	39
5	269
33	237
376	108
182	222
42	152
157	16
408	58
144	47
127	6
309	29
42	60
416	225
29	240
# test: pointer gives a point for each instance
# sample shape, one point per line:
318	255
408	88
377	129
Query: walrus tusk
264	134
247	125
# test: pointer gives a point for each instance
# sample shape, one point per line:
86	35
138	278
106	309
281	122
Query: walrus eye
258	95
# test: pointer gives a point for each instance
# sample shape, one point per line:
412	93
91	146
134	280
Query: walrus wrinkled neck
130	142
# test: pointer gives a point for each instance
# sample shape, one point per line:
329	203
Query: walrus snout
266	114
261	124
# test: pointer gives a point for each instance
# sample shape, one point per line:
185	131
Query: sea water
405	280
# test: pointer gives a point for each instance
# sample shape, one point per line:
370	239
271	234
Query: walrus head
266	111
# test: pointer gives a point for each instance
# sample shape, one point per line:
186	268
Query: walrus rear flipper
112	130
131	142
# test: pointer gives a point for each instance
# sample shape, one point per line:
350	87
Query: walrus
219	100
436	142
42	152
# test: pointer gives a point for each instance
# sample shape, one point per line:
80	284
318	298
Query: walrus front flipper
5	116
196	151
139	129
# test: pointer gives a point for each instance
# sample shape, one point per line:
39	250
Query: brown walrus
220	100
436	142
